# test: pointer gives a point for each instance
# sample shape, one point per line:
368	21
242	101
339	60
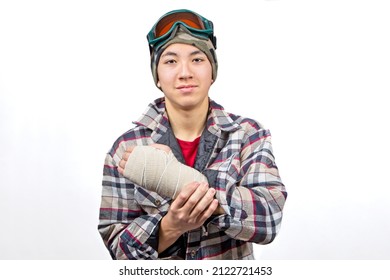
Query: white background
75	74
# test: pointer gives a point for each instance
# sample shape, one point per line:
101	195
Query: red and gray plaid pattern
245	176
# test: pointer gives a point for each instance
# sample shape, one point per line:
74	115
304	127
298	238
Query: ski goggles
163	30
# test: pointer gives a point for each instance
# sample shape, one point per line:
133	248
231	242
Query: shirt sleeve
127	230
250	190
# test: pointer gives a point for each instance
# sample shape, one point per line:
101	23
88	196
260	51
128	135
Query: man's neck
188	125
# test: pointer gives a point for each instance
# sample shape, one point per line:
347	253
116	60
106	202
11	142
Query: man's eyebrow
170	53
175	54
197	52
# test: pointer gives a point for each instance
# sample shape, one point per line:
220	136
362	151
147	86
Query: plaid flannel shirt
235	154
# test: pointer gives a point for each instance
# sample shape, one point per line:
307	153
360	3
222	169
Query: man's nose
185	71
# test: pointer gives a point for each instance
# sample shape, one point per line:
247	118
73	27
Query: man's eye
170	61
198	59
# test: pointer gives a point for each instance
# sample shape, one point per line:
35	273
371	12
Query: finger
208	211
184	195
203	203
129	149
125	156
122	164
195	197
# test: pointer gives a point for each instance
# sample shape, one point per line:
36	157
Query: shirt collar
156	118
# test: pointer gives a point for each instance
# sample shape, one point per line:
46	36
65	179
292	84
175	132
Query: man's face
185	76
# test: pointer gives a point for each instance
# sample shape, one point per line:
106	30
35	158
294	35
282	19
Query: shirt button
193	253
157	202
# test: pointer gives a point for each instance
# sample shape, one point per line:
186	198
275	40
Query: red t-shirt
189	150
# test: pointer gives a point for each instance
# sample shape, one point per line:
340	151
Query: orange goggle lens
165	24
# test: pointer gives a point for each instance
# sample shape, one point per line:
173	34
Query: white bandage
159	171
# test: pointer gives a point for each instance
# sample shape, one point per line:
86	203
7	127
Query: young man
190	181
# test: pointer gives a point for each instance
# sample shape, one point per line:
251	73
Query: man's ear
158	84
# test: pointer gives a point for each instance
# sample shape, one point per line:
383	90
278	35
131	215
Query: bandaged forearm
159	171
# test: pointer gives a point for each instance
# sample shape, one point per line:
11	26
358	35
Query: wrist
168	228
167	234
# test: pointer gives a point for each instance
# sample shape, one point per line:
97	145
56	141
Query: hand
126	154
218	211
194	204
